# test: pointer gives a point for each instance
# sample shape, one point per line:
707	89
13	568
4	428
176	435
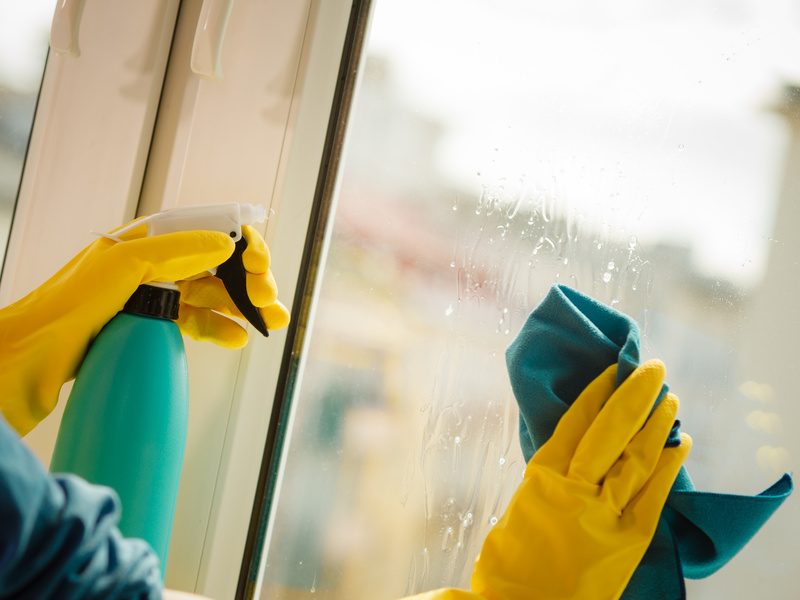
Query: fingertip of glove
228	334
262	289
647	378
236	342
672	403
605	381
214	243
276	316
655	368
677	455
223	240
609	372
205	325
256	256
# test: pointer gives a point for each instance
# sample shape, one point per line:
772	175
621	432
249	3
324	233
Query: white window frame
213	143
118	132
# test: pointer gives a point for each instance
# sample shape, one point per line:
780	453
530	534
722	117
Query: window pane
643	152
24	29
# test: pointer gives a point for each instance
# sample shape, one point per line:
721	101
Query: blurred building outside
24	31
425	285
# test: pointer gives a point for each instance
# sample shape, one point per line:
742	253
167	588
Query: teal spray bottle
125	422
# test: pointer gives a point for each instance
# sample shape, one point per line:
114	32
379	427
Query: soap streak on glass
480	170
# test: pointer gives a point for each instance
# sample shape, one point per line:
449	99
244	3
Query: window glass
645	153
24	29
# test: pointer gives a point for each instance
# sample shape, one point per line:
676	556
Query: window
643	153
23	51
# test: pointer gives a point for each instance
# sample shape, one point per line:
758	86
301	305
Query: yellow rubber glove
583	516
45	335
204	298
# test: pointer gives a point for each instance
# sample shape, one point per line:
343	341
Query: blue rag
567	341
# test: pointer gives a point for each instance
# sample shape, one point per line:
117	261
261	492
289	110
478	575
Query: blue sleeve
58	536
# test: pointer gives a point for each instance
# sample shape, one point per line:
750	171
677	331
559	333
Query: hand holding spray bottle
125	422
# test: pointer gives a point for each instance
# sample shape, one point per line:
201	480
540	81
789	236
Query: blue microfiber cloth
567	341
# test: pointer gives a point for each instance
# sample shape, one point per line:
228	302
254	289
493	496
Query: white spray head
252	213
226	218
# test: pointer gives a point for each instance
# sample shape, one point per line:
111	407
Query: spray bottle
125	422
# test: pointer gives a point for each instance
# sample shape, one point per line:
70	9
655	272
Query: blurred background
24	31
645	153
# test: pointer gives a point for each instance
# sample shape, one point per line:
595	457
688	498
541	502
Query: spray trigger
234	277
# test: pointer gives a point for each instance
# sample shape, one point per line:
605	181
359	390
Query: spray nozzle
226	218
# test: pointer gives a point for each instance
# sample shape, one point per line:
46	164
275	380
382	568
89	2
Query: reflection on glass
646	154
24	27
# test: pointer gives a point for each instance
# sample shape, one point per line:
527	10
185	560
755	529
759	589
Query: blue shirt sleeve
59	536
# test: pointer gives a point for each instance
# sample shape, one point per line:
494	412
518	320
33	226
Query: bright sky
649	117
24	29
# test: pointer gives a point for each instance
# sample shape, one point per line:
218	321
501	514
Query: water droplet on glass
449	310
452	264
606	277
457	440
493	521
611	265
467	520
502	461
448	534
599	245
681	147
566	260
633	242
455	207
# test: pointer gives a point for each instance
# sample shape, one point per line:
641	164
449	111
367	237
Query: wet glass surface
645	153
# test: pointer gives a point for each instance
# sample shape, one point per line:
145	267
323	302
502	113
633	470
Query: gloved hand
203	298
587	508
45	335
